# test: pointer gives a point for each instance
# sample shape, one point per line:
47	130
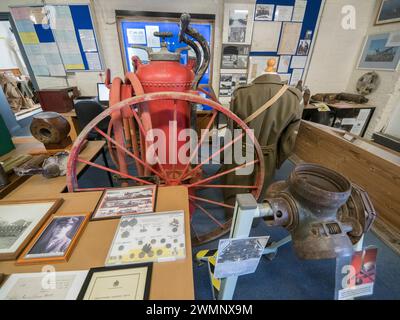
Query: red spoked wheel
211	217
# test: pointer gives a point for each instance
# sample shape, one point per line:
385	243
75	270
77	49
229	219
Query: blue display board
309	23
58	38
83	21
173	43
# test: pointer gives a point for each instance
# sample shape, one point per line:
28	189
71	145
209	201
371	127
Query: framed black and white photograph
304	47
130	282
264	12
377	56
389	12
116	202
56	240
238	23
230	81
235	56
19	221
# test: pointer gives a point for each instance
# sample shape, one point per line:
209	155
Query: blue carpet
285	277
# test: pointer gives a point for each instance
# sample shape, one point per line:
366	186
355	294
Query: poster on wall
388	12
376	55
258	64
297	74
235	56
238	23
283	13
299	10
264	12
284	64
266	36
304	47
289	38
230	80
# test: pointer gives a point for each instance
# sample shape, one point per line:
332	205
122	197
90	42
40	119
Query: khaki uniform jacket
275	129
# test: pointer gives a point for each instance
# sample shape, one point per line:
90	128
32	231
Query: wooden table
73	122
170	280
38	187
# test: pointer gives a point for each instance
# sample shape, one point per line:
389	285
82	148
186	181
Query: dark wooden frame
49	213
89	276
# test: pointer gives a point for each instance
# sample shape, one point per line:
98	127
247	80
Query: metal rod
207	213
113	171
212	202
214	155
223	173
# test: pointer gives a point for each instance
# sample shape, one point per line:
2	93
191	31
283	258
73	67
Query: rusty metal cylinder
307	204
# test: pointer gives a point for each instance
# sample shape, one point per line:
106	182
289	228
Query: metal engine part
323	211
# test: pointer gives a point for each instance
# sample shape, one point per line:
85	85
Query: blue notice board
140	29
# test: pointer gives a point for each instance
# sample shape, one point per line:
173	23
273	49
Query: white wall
10	56
336	49
334	63
386	97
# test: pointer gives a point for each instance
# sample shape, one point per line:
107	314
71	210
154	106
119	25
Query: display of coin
120	248
150	253
124	223
141	255
158	229
174	229
125	234
159	252
140	242
133	222
175	240
153	241
168	245
181	245
162	240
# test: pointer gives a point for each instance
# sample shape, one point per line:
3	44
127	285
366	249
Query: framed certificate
43	286
117	283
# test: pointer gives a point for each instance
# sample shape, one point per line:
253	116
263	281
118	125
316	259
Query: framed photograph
235	56
117	202
304	47
376	55
43	286
230	81
56	240
264	12
154	237
389	12
118	283
19	222
238	23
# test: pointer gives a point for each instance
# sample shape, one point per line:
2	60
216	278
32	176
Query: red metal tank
163	73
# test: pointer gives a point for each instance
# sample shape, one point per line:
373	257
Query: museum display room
200	150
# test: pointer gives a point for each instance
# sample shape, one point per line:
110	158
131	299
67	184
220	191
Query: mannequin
275	126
